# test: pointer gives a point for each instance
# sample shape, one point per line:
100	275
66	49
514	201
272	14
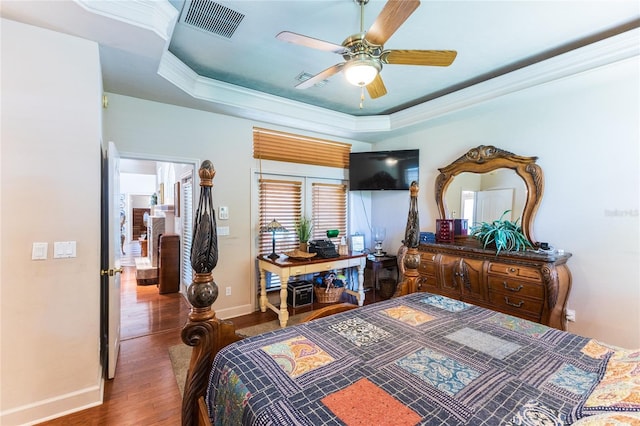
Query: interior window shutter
281	146
187	229
280	200
329	204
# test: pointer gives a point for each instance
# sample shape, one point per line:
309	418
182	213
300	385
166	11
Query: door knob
111	272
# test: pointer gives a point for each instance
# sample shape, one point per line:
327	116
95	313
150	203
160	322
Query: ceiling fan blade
307	41
394	13
376	88
321	76
437	58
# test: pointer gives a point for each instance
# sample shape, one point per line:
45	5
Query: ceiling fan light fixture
361	71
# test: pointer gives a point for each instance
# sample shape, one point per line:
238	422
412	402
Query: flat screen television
383	170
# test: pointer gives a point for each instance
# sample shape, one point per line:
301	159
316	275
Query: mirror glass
481	184
483	197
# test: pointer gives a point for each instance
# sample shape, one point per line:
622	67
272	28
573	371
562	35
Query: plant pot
304	247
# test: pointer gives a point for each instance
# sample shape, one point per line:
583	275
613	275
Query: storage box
460	227
444	230
299	293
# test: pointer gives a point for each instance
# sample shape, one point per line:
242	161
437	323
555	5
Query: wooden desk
285	267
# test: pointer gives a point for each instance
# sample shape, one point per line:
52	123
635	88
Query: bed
417	358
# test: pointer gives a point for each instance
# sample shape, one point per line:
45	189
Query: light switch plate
39	251
63	249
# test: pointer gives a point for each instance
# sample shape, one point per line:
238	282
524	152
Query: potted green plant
503	234
303	229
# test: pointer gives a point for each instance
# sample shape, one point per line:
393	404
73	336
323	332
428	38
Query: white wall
178	133
586	132
50	186
135	183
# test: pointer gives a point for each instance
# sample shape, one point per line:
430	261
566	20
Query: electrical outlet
228	291
570	315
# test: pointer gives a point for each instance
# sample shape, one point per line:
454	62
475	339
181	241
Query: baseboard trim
53	408
236	311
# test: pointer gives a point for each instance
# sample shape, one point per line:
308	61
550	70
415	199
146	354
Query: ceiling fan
364	52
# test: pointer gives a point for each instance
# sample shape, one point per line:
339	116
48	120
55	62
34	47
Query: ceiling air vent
304	76
212	17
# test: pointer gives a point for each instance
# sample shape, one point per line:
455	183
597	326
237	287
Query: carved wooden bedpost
411	259
206	333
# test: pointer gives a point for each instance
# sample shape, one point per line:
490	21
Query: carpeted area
180	355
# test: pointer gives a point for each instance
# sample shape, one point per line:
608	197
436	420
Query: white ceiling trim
256	105
160	17
264	107
605	52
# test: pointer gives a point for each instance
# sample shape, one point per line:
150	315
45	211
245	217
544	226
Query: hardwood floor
144	390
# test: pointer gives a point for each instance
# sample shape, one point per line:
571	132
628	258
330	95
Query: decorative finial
206	173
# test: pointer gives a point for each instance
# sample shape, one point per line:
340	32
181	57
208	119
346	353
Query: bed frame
206	333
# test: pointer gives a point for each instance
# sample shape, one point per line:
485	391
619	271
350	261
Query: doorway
152	188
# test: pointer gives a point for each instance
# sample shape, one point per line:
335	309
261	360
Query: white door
491	204
115	268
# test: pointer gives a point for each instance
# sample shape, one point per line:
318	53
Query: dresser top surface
469	247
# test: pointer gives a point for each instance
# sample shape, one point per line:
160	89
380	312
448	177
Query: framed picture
176	199
357	243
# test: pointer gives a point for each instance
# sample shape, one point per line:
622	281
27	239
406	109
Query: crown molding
605	52
160	17
255	105
157	16
247	103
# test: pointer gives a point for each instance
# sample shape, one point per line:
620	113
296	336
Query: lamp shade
361	71
273	226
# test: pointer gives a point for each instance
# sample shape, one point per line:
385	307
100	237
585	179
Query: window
286	198
281	200
328	209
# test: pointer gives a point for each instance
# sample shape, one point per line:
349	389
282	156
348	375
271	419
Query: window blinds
329	209
280	200
281	146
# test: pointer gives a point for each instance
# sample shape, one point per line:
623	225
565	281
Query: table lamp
379	234
273	227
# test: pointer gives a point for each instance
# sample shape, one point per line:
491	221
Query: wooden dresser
529	285
169	264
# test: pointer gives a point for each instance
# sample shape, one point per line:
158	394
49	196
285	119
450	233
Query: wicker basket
330	295
387	288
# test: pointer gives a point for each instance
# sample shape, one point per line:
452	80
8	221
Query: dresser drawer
521	272
516	305
427	264
515	287
427	282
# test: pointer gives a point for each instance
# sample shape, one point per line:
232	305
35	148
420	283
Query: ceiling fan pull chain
361	97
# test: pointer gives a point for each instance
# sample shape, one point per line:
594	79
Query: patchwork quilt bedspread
422	359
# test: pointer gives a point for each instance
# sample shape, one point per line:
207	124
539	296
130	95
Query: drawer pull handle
514	289
512	270
519	305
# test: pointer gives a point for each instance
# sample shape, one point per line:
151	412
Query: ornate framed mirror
490	180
